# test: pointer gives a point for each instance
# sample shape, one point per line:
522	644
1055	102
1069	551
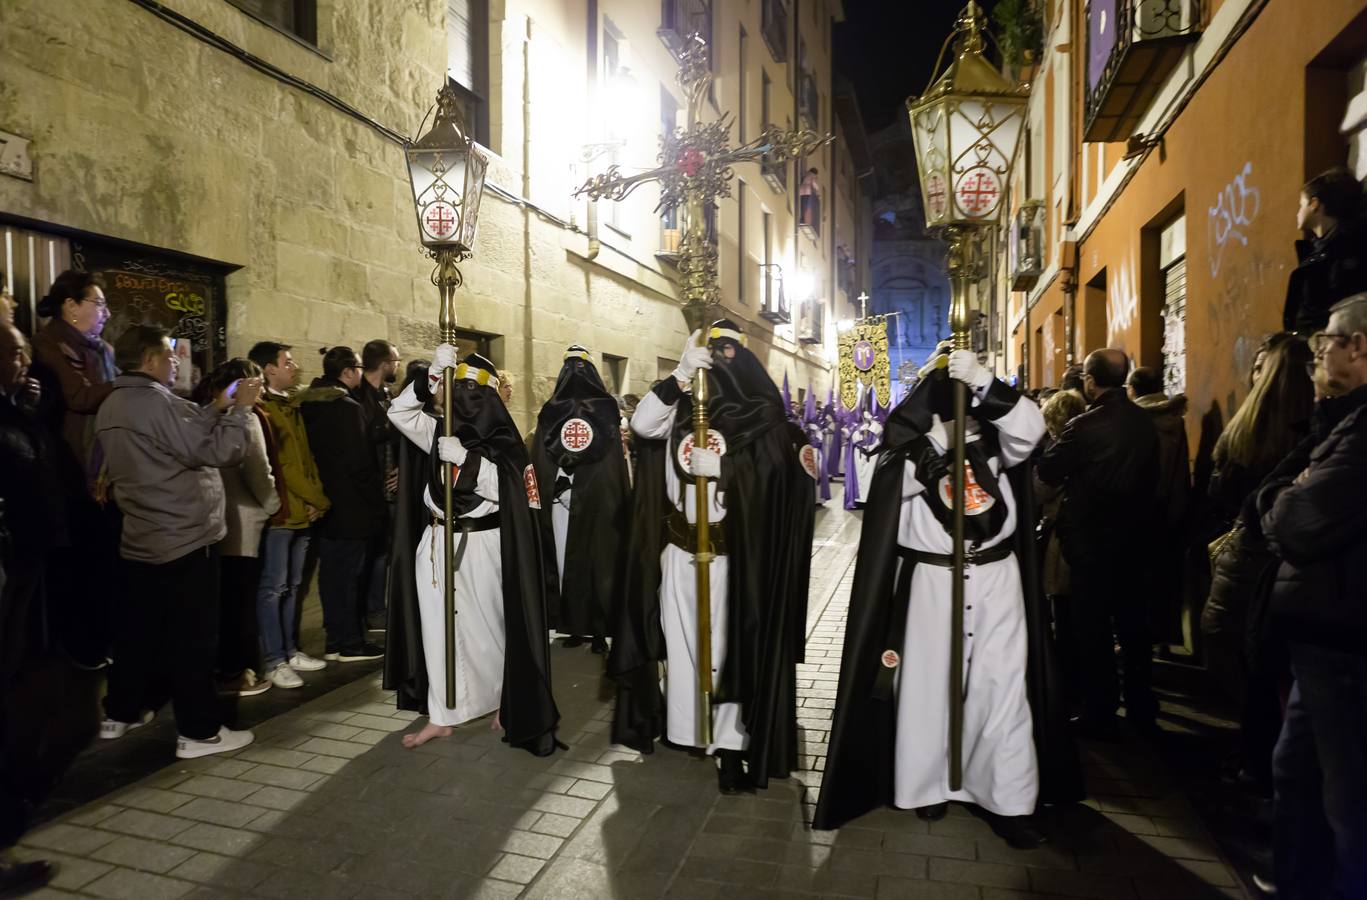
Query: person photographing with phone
163	456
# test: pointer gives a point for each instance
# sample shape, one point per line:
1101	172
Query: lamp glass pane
475	172
931	138
982	140
438	178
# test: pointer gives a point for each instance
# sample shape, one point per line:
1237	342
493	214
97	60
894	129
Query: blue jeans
277	599
1319	771
340	561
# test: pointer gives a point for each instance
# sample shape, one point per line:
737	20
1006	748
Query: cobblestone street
328	804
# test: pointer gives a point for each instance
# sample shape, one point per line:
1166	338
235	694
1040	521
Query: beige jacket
249	496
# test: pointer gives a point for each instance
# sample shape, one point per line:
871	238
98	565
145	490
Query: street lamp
446	170
965	128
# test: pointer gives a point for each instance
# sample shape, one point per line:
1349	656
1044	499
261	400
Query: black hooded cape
860	760
768	533
600	501
528	712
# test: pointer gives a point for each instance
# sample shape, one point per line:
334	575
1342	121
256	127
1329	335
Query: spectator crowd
165	539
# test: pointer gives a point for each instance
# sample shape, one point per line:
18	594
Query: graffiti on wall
1236	206
1122	305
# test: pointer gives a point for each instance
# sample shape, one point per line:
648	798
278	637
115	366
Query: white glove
964	366
706	463
451	450
692	359
444	357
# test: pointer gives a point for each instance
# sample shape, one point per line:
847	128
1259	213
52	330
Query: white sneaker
302	662
225	741
111	729
283	676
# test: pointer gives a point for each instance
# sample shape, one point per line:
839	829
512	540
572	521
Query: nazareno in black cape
600	501
528	712
860	759
768	531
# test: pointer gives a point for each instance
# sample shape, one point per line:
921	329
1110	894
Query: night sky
888	49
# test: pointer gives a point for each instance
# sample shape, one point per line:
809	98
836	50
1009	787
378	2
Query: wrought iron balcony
1027	246
809	324
808	100
774	27
775	171
775	303
1132	45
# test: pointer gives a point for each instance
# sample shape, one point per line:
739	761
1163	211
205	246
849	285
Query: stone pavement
328	804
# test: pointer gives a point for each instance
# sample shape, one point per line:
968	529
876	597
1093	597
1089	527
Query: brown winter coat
82	372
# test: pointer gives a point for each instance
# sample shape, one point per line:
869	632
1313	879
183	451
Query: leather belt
470	526
684	535
891	658
971	558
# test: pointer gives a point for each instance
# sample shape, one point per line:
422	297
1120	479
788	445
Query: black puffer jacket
1107	462
336	428
1318	528
1331	268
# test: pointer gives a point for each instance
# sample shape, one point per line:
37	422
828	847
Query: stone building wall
143	132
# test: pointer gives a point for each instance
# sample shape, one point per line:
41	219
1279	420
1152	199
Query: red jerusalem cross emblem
576	435
439	219
714	442
978	191
533	491
935	194
976	500
807	456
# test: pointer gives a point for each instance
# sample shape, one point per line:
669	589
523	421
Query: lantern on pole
965	128
446	170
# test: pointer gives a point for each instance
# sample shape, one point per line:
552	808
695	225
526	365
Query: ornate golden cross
695	169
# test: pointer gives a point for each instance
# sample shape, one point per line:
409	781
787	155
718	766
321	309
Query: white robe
678	604
480	633
1000	771
866	462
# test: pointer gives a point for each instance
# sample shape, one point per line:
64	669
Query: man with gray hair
1314	513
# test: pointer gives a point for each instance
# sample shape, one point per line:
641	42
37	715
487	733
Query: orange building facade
1166	183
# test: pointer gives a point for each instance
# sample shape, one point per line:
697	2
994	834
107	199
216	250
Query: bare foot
428	732
497	725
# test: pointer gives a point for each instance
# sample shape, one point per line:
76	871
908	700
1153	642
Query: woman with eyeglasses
74	362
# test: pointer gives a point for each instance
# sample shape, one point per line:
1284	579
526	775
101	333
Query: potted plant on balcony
1021	31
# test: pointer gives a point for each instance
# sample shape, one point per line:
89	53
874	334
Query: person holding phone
250	498
163	456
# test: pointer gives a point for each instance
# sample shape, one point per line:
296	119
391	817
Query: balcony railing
775	303
775	172
774	27
679	18
809	322
809	215
1132	45
808	100
1027	246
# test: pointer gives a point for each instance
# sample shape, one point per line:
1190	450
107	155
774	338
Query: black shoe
361	653
600	645
730	772
17	878
573	640
1019	832
933	813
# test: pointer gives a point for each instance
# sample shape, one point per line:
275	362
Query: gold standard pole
447	278
698	266
961	259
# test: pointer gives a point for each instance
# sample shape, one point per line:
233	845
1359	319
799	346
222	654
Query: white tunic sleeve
486	480
1019	431
653	418
406	412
